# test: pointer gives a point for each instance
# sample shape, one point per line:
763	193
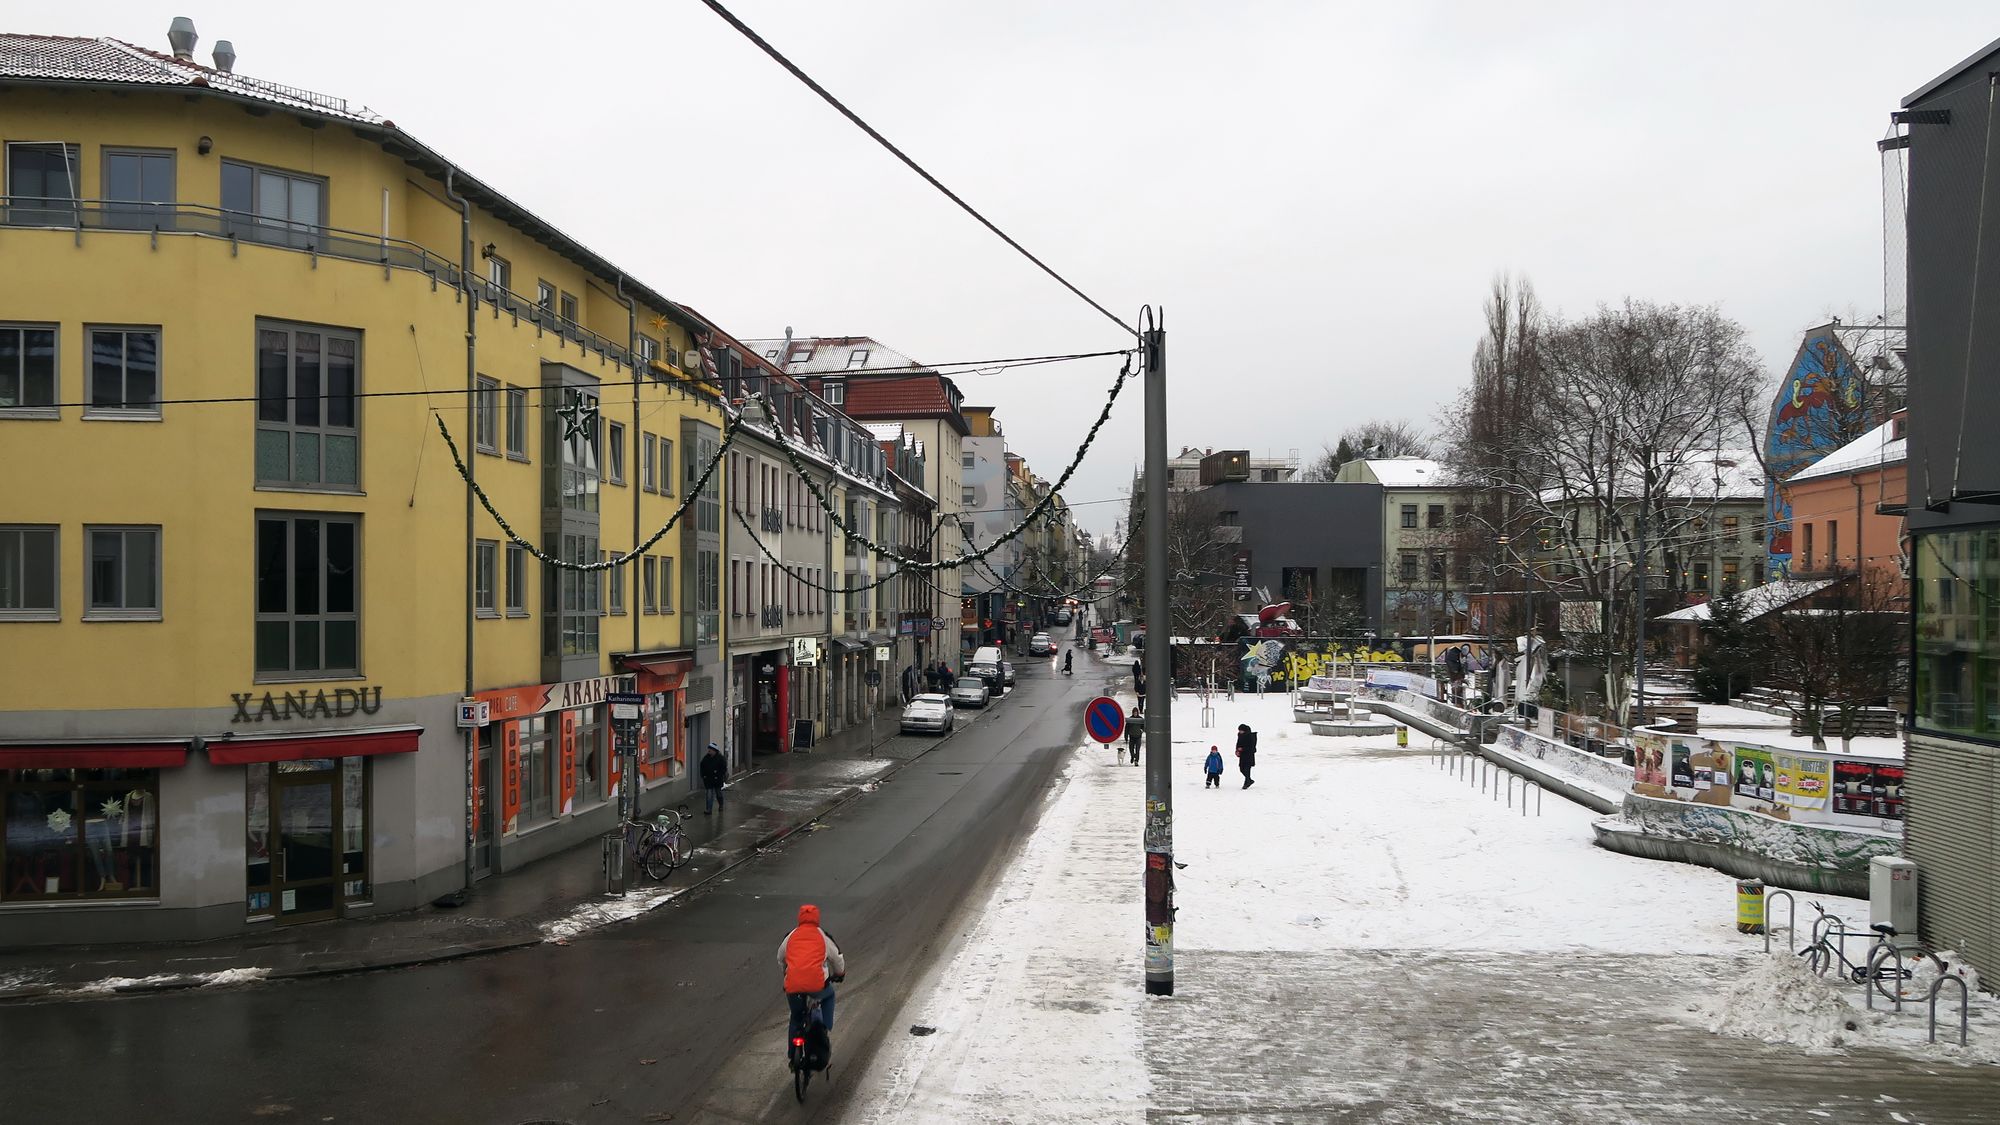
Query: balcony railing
774	520
774	617
83	216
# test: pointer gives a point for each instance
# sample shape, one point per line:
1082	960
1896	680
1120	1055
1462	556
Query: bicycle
660	845
1902	973
799	1058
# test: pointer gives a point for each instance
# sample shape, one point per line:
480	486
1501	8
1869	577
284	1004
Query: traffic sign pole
1159	835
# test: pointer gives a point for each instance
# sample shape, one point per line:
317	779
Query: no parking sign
1104	719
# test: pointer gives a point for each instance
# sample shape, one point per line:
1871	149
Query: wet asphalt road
675	1016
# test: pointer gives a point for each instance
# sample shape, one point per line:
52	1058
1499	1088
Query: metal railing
774	616
772	519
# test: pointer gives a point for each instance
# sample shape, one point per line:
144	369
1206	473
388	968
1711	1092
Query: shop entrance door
307	876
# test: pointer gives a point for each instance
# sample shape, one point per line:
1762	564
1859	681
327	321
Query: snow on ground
592	913
1476	962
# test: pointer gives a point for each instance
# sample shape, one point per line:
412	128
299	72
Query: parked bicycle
1901	969
660	845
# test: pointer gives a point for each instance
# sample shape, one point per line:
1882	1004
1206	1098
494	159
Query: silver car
969	691
928	712
1041	645
1007	673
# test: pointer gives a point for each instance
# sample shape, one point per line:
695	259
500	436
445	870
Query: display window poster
1803	782
1756	774
1868	789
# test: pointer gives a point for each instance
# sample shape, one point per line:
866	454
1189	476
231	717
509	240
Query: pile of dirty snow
1779	1000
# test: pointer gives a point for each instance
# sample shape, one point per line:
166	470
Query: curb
460	952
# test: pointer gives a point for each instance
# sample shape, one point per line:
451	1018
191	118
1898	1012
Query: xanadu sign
320	704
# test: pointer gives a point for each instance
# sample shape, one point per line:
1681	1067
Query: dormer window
834	391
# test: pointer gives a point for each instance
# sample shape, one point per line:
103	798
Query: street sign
1104	719
874	678
625	705
474	713
882	654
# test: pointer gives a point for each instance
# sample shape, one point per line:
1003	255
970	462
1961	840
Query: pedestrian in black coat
1246	752
714	771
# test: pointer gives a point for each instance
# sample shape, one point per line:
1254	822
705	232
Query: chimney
180	34
225	56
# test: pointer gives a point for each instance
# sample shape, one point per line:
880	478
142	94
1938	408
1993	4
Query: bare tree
1843	651
1200	566
1596	435
1380	438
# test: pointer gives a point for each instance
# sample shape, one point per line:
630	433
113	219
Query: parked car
1041	645
929	712
989	671
969	691
1007	673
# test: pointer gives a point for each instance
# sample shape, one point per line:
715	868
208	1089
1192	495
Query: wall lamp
486	251
204	146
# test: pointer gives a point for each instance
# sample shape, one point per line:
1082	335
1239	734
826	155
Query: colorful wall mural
1818	409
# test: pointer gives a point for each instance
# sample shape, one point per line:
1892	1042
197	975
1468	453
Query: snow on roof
833	355
61	58
1756	601
1407	472
1874	449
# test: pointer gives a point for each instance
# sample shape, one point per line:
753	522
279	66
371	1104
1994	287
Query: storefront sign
320	704
805	651
474	713
536	699
882	654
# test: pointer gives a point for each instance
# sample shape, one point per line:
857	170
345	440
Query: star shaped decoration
113	807
579	419
59	822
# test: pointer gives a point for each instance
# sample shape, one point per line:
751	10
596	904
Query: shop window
257	840
589	756
538	764
75	834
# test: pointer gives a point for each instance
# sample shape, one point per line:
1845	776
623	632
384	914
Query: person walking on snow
1246	752
714	771
1213	767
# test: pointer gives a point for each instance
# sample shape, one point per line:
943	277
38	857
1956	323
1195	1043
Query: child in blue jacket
1214	768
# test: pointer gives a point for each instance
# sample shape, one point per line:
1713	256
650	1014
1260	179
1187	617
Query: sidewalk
549	900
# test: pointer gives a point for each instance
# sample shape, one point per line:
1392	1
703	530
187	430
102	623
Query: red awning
243	751
658	665
95	756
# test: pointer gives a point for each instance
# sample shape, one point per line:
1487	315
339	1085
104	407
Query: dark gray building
1952	783
1295	538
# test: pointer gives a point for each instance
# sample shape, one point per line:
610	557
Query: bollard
1749	906
614	863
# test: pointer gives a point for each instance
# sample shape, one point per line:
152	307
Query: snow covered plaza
1365	937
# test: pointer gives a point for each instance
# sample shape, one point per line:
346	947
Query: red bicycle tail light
798	1042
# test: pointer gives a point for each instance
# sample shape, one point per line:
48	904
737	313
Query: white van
985	663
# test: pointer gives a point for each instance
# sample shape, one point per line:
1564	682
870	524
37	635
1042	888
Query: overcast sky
1318	193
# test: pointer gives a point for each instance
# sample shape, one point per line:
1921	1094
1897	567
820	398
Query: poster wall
1803	781
1868	789
1756	773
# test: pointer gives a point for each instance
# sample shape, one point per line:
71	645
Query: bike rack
1526	784
1964	1006
1791	918
1881	952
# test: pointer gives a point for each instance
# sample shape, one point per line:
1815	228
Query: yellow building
248	590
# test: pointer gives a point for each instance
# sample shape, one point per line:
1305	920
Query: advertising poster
1649	758
1756	774
1868	789
1683	768
1803	781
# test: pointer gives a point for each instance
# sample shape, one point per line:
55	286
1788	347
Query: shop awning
658	663
845	645
347	744
94	756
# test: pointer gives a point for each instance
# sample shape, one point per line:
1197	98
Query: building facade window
579	453
308	424
499	278
589	756
614	452
79	833
834	392
123	580
649	590
43	183
517	423
139	189
28	369
648	475
124	372
308	621
1955	590
517	580
485	572
1731	526
1406	566
568	307
666	466
29	588
578	598
486	416
545	301
1700	581
272	206
1409	515
616	577
1434	515
666	585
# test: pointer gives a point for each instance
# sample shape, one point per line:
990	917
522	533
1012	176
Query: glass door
305	812
485	795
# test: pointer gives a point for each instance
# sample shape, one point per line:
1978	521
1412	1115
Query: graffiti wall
1811	416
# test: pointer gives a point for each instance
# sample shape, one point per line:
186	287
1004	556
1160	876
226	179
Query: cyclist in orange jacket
813	964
